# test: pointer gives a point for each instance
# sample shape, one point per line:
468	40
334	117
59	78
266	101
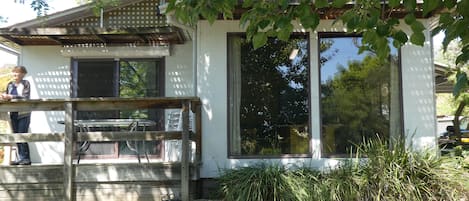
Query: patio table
129	124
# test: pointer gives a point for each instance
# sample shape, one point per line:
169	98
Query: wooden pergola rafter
81	35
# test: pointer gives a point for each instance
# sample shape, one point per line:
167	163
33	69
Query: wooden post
185	177
196	108
69	169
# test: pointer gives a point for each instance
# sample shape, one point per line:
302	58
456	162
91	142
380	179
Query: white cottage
303	102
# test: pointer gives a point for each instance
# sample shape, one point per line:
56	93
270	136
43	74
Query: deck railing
70	136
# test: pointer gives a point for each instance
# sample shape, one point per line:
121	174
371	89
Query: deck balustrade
71	136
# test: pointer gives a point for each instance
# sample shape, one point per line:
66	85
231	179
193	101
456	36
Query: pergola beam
73	31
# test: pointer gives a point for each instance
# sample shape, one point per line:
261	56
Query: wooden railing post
196	108
185	177
69	169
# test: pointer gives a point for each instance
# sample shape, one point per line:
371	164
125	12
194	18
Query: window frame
115	144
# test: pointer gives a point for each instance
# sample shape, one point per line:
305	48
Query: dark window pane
96	79
269	97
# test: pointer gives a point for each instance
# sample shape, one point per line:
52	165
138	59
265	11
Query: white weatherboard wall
419	94
418	106
49	75
178	69
178	83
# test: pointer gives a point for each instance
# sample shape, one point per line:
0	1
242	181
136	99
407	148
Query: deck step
132	181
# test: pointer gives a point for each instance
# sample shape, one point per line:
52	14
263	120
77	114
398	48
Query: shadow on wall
418	92
52	84
49	84
180	81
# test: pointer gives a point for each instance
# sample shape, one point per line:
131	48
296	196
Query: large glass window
360	95
268	97
126	78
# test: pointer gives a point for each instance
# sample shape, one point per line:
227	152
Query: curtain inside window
395	119
235	93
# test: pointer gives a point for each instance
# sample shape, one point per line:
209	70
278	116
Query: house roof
136	22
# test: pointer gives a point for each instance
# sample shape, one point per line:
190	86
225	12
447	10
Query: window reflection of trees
140	79
137	79
357	100
274	100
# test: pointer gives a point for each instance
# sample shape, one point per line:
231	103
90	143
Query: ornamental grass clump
377	172
395	173
263	181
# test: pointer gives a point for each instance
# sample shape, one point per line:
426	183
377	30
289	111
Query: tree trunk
456	123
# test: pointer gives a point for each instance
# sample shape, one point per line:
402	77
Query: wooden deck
118	181
133	181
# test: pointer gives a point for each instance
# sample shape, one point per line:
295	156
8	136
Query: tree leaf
394	3
410	5
283	4
461	83
417	38
247	3
409	18
282	22
400	36
363	49
263	24
339	3
321	3
463	57
372	21
392	21
369	36
397	44
381	47
259	39
284	34
417	26
429	6
382	30
303	9
445	19
311	21
449	3
463	8
353	22
347	16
